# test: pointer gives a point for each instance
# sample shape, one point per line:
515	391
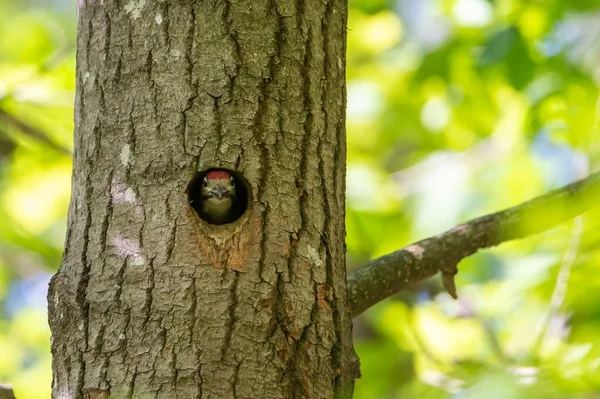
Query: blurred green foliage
37	79
456	108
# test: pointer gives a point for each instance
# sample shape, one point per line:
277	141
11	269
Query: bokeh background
456	108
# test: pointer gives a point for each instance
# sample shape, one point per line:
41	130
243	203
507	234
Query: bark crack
171	241
147	309
192	82
193	341
232	305
237	54
107	32
108	212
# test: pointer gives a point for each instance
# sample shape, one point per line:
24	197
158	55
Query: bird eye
205	182
232	181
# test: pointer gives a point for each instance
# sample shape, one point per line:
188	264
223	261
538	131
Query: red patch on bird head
218	175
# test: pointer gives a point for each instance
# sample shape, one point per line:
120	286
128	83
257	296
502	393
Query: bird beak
219	192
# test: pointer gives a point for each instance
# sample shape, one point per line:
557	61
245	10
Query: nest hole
241	201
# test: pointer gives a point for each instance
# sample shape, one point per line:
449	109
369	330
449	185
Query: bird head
218	186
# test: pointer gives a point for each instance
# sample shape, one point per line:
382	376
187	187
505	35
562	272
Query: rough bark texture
152	302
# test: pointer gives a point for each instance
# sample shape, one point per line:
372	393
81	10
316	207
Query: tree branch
388	274
33	132
6	392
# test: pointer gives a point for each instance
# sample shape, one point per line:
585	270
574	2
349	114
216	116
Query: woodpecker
218	197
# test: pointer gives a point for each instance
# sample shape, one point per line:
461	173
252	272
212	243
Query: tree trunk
151	301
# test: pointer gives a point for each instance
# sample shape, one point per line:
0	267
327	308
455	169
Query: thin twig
32	132
388	274
560	288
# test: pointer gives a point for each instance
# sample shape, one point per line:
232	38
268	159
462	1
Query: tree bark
152	302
